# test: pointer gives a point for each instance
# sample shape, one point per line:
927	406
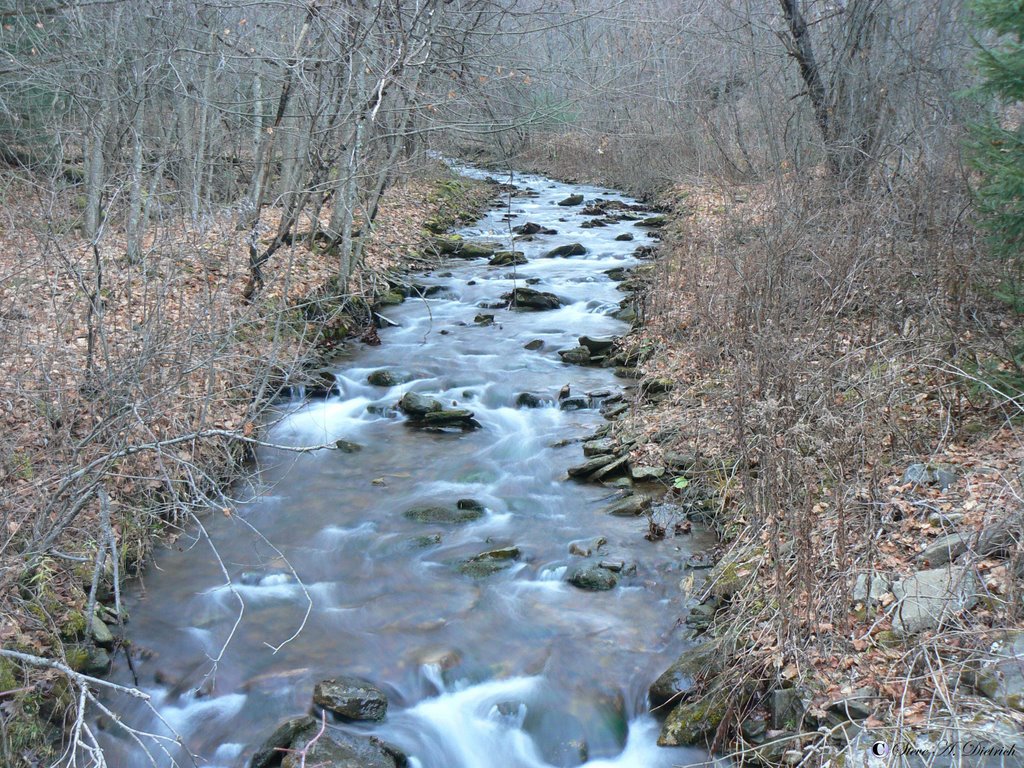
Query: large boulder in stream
508	259
336	749
351	697
592	577
417	405
428	413
528	298
571	200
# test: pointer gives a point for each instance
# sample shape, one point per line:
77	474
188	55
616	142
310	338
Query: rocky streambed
464	580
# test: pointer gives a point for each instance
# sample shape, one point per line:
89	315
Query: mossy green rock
564	251
101	634
473	250
487	563
692	722
391	298
508	259
438	514
653	222
575	355
447	244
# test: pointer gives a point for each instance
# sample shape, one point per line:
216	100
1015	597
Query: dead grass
820	346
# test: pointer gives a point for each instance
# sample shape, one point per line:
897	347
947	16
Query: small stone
484	319
625	237
534	345
101	634
347	446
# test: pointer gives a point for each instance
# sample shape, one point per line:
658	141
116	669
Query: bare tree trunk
134	227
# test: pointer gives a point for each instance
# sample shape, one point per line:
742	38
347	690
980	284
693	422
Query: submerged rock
351	697
439	514
534	345
487	563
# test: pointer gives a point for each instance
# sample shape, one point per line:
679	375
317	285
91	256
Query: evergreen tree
997	147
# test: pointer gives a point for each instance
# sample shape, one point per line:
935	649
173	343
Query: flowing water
495	672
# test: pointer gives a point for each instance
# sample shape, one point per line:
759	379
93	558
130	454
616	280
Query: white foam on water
191	716
464	727
323	422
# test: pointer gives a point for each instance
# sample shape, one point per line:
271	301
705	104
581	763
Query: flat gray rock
929	598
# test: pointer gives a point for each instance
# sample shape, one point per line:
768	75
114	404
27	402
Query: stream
516	669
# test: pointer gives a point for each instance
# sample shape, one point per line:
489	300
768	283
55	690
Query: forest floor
130	393
838	414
